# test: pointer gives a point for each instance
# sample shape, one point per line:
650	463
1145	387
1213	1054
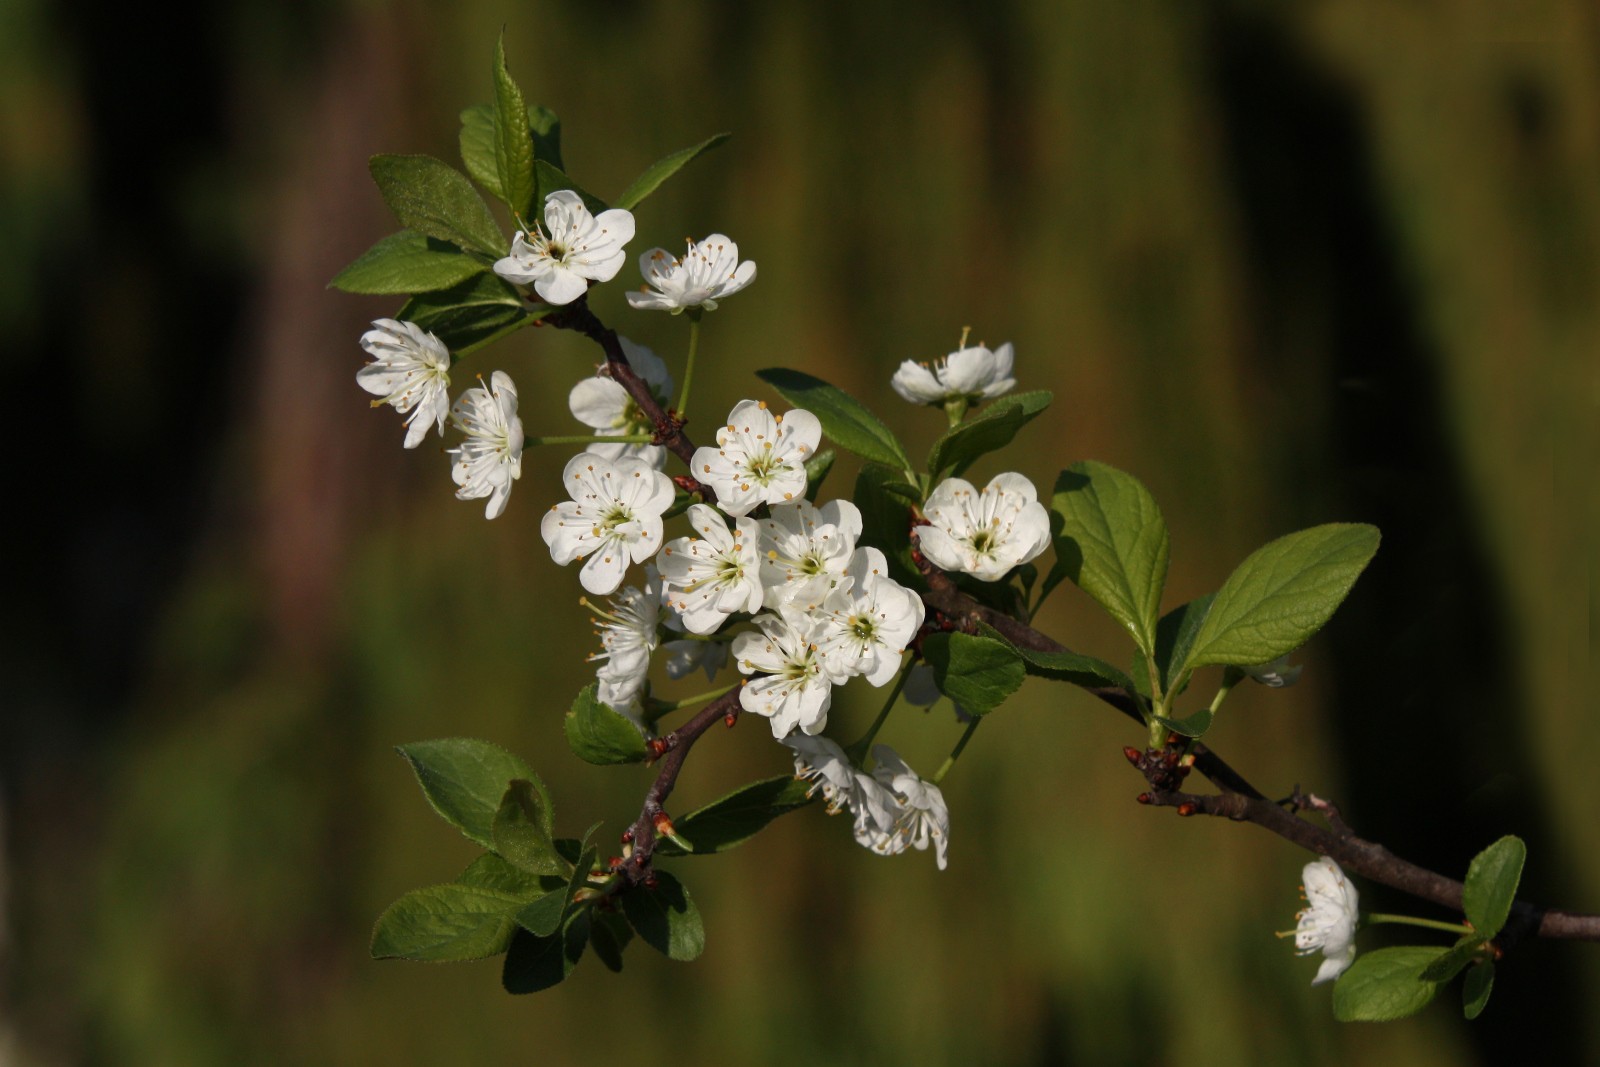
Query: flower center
983	542
863	628
764	465
615	516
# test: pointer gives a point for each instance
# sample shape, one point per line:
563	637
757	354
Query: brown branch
1374	862
1239	800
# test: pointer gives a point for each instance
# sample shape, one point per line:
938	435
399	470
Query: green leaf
541	917
1492	885
988	432
665	918
446	922
886	520
513	142
976	672
408	262
434	198
844	419
522	828
1282	594
816	470
739	816
1454	961
664	168
1385	984
1190	725
537	963
549	178
609	935
464	779
1175	635
491	871
1476	989
600	735
477	144
470	315
1112	542
1085	671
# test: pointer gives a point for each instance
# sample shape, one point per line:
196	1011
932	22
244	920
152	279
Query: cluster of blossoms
766	580
410	367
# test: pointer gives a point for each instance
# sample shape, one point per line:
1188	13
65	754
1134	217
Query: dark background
1288	263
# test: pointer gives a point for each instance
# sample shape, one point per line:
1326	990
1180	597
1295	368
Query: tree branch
1239	801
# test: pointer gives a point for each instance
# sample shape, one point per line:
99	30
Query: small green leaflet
1385	984
513	141
845	420
521	831
408	262
664	168
987	432
446	922
739	816
470	315
537	963
1476	989
599	734
477	144
465	779
436	199
976	672
665	918
1112	542
1491	885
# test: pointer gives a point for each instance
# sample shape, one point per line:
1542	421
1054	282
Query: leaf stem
1376	918
955	753
667	707
589	439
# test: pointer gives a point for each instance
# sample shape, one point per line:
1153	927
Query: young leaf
1085	671
1175	635
549	178
537	963
1112	543
446	922
546	131
609	935
817	469
665	918
1194	725
464	779
739	816
407	262
513	143
436	199
1492	885
844	419
470	315
976	672
477	145
664	168
521	831
1281	594
541	917
1454	961
491	871
1385	984
599	734
989	431
1476	989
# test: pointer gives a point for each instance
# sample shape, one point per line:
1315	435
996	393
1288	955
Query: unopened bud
1132	753
729	719
1144	798
627	836
658	747
613	863
1187	808
663	824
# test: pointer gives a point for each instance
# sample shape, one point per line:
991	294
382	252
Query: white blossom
628	633
842	785
601	403
806	549
759	457
1329	922
707	272
688	655
917	817
967	374
790	688
410	371
490	459
572	248
984	533
614	516
714	574
867	620
1277	674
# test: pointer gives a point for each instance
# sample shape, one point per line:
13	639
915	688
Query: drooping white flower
867	620
602	404
1329	921
410	371
707	272
572	248
969	374
759	457
490	459
790	688
917	817
1277	674
713	574
628	633
806	549
842	785
984	533
614	517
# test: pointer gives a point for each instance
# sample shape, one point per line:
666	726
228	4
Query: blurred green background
1290	264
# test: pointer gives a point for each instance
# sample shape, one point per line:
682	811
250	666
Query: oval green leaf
1476	989
664	168
1491	885
408	262
513	143
522	829
976	672
1112	542
446	922
665	918
465	779
845	420
434	198
988	432
1385	984
601	735
739	816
